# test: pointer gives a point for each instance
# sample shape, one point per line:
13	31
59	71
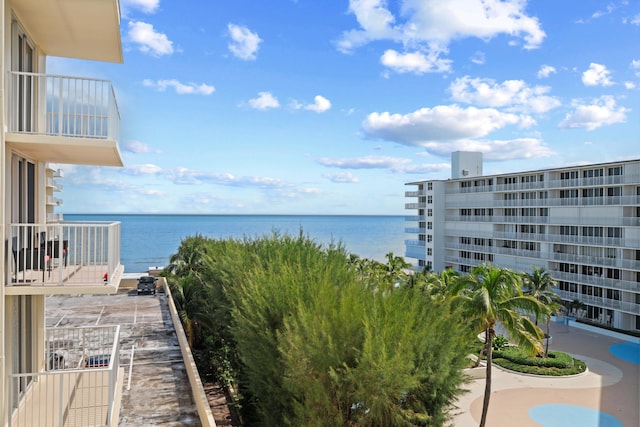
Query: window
592	192
429	225
592	231
614	191
568	194
614	232
429	252
429	212
429	199
511	212
614	171
569	175
429	186
593	173
568	230
429	238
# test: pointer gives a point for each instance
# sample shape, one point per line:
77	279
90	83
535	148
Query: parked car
147	285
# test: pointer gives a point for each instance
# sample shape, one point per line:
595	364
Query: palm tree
191	304
489	295
189	258
539	284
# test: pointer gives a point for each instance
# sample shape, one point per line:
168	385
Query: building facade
580	223
51	376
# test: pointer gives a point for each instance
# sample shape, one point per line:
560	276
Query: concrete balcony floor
156	388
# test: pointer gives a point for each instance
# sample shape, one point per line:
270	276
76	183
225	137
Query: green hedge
556	359
557	364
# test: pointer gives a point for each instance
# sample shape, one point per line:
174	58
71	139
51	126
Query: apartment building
580	223
55	376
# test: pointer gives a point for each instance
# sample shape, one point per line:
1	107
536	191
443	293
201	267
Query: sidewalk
611	386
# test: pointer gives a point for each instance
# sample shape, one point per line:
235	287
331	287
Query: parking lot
156	389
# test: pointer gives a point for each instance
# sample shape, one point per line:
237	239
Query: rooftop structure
580	223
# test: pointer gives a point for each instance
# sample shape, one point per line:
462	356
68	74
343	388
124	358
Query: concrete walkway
611	386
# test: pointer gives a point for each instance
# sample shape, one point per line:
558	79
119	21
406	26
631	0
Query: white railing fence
77	387
62	253
62	106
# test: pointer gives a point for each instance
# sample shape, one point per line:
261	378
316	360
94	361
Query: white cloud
137	147
415	62
601	112
342	178
545	71
145	6
428	26
629	85
515	95
519	148
146	169
264	101
244	43
600	13
635	65
597	75
478	58
180	88
149	40
320	104
367	162
635	20
440	123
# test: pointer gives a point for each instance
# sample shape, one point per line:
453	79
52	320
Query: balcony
63	258
61	119
80	386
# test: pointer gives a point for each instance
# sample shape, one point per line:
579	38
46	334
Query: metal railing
77	387
64	253
62	106
628	307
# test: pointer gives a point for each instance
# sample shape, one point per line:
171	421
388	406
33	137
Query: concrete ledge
199	395
603	331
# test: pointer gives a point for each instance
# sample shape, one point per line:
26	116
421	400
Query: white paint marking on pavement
133	347
100	316
135	313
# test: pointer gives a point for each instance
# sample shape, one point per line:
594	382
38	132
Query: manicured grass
557	364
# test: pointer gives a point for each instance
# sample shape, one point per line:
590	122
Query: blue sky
330	107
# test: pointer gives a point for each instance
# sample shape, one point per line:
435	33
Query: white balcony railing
62	106
65	253
79	384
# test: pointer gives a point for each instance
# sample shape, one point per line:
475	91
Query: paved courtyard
607	396
156	389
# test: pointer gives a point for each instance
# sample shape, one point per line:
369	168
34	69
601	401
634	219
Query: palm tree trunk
487	388
480	355
546	346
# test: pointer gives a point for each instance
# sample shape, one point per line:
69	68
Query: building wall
582	224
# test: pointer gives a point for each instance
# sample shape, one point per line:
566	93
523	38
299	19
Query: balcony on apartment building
62	119
63	258
81	384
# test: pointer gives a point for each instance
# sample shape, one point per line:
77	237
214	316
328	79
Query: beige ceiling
84	29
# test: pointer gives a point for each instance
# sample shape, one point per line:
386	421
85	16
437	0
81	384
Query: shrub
557	364
499	342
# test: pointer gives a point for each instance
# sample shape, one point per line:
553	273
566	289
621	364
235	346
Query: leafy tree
489	295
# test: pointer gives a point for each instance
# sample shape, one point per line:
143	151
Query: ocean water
150	240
